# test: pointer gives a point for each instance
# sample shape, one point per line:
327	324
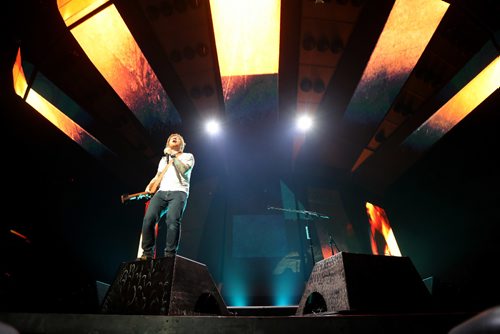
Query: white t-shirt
173	180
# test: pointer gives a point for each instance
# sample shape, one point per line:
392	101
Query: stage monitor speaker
349	282
164	286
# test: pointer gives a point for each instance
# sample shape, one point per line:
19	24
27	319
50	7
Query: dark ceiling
324	49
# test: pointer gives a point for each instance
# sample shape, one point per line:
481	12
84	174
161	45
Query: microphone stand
308	237
332	243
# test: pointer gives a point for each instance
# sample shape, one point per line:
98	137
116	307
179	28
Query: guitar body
154	185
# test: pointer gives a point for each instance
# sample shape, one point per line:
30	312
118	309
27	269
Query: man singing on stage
170	187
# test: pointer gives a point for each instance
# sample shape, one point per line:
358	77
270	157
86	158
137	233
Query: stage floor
49	323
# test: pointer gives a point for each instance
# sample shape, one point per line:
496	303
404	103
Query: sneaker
145	257
169	254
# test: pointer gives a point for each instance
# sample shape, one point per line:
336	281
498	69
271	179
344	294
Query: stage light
212	127
304	123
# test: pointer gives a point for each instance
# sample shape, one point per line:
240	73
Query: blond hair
183	143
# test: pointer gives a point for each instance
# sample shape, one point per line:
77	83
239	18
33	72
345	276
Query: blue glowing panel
259	236
250	99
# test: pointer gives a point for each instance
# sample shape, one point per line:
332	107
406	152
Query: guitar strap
156	185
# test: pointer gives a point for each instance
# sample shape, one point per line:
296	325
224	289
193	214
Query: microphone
166	154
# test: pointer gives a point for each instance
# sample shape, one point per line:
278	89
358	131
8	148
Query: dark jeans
171	202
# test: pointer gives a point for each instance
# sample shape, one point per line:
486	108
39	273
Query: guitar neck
153	188
136	196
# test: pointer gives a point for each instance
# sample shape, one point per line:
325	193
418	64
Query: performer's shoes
169	254
145	257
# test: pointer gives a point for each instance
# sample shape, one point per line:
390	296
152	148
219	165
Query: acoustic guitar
154	185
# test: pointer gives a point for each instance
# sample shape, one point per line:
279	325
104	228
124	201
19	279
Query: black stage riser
164	286
348	282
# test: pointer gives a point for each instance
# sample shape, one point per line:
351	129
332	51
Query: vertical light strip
247	36
380	223
406	34
459	106
18	77
74	10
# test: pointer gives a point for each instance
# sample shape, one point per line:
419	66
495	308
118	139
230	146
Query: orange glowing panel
247	36
66	125
22	236
327	251
111	47
379	225
459	106
19	80
74	10
52	113
407	32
